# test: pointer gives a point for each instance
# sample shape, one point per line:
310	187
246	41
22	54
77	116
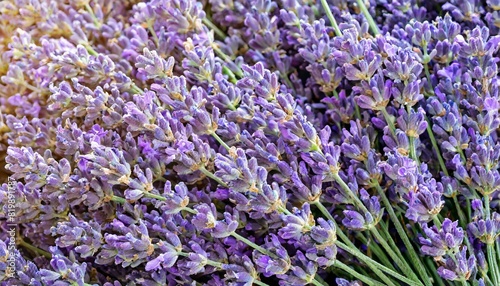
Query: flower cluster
266	142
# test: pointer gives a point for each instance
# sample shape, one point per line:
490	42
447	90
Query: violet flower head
356	144
302	272
365	68
151	65
324	234
458	267
206	220
486	230
196	261
176	199
27	164
4	255
272	198
377	94
240	173
297	223
412	124
407	95
275	265
242	271
132	248
168	256
64	269
85	238
403	67
445	240
424	204
356	221
401	170
223	142
109	164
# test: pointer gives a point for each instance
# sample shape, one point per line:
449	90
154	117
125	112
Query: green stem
426	67
356	111
212	176
227	59
369	18
253	245
411	140
461	215
399	228
155	36
435	147
320	280
377	251
375	266
493	267
490	248
260	283
230	75
288	82
349	193
135	89
221	142
154	196
323	210
361	270
216	29
386	236
90	50
401	263
329	14
190	210
436	221
486	279
497	246
487	206
432	269
335	94
118	199
215	264
28	86
428	75
32	248
413	151
462	155
317	283
389	121
92	14
284	210
263	251
369	281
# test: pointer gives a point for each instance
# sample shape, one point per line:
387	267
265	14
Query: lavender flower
458	267
272	265
225	142
132	248
442	241
487	231
424	205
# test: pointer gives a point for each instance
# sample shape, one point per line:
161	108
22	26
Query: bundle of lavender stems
249	142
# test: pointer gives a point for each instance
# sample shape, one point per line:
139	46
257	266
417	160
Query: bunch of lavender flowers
221	142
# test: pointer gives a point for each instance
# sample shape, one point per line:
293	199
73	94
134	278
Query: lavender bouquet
255	142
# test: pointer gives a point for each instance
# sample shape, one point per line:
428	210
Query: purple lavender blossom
264	142
441	241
